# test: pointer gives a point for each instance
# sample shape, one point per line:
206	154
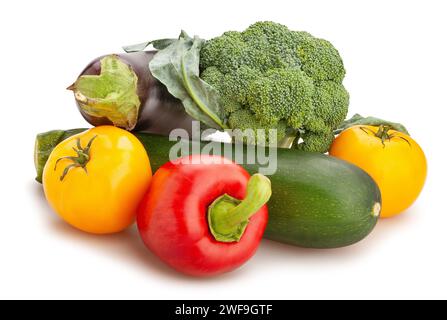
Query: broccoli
273	78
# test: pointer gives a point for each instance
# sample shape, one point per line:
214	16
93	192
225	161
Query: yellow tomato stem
383	135
81	160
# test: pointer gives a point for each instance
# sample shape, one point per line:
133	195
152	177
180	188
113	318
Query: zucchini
317	201
320	201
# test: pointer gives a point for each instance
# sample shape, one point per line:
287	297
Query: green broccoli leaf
369	121
176	65
159	44
203	103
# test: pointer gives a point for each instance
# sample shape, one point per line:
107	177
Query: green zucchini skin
318	201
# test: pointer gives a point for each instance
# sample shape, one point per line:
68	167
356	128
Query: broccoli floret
243	119
214	77
316	142
281	94
271	77
331	102
237	83
319	59
270	45
230	49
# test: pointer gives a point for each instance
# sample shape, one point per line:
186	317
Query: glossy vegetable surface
317	201
120	90
95	180
194	220
395	161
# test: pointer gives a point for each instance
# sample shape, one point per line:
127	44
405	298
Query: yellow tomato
96	179
393	159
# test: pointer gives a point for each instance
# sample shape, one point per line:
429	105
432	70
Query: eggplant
120	90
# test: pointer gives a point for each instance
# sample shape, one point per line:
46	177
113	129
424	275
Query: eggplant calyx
113	94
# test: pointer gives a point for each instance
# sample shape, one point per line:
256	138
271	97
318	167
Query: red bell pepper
204	215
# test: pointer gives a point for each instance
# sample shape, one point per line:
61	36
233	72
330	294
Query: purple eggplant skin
159	112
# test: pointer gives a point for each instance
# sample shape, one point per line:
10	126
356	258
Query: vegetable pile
202	213
267	77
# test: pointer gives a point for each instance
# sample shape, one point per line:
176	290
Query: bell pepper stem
228	217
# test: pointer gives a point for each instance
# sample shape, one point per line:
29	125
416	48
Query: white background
395	54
